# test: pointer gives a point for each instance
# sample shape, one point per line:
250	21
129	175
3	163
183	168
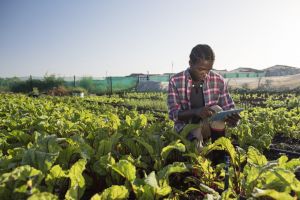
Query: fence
109	85
99	85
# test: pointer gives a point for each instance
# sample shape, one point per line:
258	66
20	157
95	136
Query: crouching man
196	93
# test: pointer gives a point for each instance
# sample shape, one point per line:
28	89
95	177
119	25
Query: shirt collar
187	74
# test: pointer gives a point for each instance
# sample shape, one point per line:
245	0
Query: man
196	93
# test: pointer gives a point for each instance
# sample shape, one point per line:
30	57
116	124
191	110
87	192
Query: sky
120	37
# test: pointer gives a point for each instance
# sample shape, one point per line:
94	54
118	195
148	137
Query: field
123	147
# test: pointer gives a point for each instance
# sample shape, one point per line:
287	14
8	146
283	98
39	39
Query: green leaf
187	129
38	159
46	143
192	189
164	190
174	145
55	173
264	141
113	121
138	187
272	193
251	175
210	193
292	164
206	189
77	185
222	144
101	166
241	154
151	180
65	156
176	167
257	175
128	120
146	192
125	169
281	180
282	160
229	194
107	144
20	136
147	146
96	197
142	120
115	192
13	159
43	196
105	147
75	173
83	148
16	184
132	145
255	157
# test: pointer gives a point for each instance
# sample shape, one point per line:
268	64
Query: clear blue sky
119	37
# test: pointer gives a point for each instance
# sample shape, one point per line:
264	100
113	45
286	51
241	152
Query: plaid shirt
214	90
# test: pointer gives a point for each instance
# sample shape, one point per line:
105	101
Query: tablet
223	114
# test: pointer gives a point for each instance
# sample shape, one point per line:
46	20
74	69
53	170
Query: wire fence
98	85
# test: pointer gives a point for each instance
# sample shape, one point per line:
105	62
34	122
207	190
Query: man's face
199	70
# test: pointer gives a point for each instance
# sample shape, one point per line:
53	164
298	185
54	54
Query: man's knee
217	125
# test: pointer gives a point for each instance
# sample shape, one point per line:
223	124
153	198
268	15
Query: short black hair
201	52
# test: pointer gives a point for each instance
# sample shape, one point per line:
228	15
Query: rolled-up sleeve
173	101
225	100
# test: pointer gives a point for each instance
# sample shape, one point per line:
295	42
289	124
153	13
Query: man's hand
204	112
233	120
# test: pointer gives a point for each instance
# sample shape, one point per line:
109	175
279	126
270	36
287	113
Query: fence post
30	83
111	89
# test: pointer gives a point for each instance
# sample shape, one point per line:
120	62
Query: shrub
78	90
59	91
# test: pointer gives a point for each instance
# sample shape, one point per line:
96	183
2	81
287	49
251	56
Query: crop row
70	148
